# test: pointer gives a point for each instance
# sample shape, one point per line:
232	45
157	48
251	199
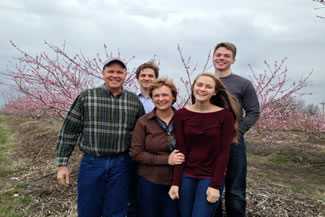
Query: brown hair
150	65
163	82
228	46
222	99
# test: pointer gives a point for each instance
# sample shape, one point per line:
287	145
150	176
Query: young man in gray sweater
224	56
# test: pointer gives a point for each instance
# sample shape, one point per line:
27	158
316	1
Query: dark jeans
133	206
193	198
154	201
103	185
235	186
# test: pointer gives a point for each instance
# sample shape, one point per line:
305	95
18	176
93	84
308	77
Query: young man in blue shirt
145	75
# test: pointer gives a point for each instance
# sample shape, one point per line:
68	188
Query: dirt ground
286	176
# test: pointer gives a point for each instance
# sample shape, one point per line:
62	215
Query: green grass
284	170
3	136
22	186
322	198
251	156
283	159
4	211
3	132
5	147
12	193
2	120
6	173
17	190
12	198
25	201
297	189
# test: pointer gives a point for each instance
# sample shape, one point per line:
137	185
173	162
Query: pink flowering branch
276	94
184	100
48	83
53	80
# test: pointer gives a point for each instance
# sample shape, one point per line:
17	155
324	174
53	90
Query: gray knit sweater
245	92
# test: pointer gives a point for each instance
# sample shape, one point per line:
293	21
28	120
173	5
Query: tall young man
224	55
102	120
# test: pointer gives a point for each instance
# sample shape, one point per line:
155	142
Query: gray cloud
262	30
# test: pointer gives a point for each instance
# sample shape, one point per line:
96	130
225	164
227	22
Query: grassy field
295	161
286	176
11	199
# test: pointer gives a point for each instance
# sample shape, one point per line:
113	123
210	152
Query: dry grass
281	173
294	160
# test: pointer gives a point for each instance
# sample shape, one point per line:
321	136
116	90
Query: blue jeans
154	201
103	186
132	205
235	186
193	198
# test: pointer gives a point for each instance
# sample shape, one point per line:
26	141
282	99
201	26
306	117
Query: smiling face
223	59
146	77
204	88
163	98
114	76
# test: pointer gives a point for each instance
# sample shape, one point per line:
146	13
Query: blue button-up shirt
147	102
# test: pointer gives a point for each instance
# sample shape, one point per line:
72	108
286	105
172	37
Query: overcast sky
262	30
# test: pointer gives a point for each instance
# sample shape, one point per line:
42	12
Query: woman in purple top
204	132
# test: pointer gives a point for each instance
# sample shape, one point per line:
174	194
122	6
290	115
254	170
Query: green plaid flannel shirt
103	123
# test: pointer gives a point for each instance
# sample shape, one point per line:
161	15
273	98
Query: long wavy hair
222	99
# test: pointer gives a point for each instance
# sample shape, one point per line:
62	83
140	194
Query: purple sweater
204	139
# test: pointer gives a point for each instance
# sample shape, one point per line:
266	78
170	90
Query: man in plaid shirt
102	119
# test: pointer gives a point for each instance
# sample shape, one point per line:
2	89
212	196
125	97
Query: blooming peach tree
276	94
277	97
49	83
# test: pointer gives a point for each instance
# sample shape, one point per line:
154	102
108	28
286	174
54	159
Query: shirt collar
139	93
110	93
152	114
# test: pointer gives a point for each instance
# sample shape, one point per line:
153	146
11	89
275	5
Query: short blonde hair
163	82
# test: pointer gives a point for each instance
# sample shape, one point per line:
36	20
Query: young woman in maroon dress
204	133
